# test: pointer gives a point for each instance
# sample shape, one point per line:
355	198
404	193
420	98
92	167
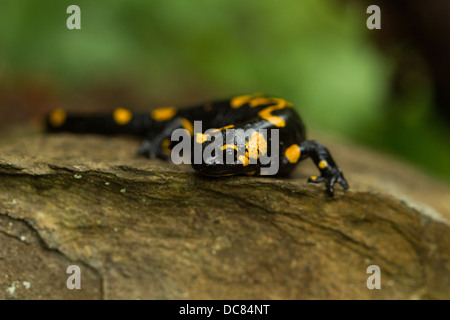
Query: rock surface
141	229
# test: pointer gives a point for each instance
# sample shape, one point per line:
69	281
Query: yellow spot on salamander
293	153
239	101
227	127
122	116
165	146
201	138
286	103
229	146
223	128
313	177
163	114
256	145
186	124
261	101
266	113
244	160
323	164
57	118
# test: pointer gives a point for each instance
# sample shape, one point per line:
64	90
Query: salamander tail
121	121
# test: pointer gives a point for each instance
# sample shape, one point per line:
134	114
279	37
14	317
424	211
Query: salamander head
218	159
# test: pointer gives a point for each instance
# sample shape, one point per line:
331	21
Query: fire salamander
245	112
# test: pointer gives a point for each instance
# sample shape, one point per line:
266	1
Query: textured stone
142	229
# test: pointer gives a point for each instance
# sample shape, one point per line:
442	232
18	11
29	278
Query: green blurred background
376	87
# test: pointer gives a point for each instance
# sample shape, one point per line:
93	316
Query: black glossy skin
242	112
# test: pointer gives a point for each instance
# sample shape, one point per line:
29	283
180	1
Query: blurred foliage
315	53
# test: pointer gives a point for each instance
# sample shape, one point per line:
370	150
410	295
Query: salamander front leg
330	172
